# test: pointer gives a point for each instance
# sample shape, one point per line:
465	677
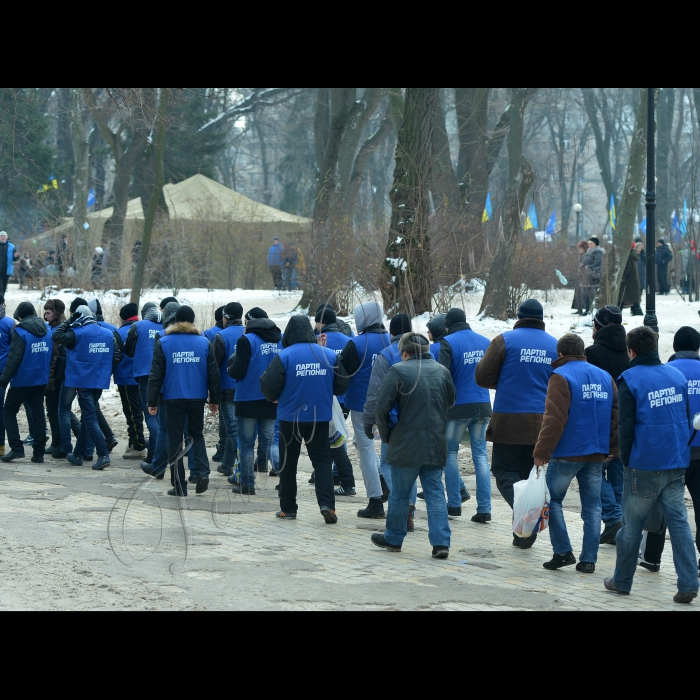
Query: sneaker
482	518
286	516
585	568
653	568
441	553
224	471
685	598
29	440
610	586
379	541
112	444
244	490
12	456
560	561
178	493
374	511
386	491
202	486
132	453
466	496
75	461
101	464
609	535
60	455
329	516
454	512
345	493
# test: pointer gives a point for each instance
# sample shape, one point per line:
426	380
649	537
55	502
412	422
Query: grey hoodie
368	314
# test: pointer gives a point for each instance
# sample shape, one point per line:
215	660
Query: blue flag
643	226
684	221
92	200
552	224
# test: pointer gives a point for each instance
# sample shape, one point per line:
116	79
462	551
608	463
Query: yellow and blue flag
531	221
613	212
488	211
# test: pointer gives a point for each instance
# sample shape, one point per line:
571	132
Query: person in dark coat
581	295
343	327
630	288
664	256
642	264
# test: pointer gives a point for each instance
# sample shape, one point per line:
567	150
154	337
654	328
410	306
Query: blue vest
261	355
661	430
147	333
369	346
186	367
212	333
588	429
89	364
7	326
36	363
307	396
468	349
522	387
108	326
337	342
124	371
435	350
392	354
691	371
231	336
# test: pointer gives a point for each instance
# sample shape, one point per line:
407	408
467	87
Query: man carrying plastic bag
579	433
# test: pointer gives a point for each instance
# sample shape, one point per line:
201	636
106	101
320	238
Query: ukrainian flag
531	221
613	212
488	211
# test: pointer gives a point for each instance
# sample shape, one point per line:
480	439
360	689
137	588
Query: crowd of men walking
612	416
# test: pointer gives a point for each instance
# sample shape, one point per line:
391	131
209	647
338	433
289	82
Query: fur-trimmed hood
182	329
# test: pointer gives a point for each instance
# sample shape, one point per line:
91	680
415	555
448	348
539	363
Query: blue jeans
228	414
89	425
589	475
387	472
642	490
456	430
151	421
404	480
611	491
247	432
2	420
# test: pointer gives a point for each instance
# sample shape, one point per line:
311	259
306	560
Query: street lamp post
650	319
579	233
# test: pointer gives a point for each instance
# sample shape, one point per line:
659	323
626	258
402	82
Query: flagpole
650	320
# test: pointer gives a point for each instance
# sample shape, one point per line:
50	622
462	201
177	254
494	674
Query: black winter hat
185	314
400	325
687	340
77	303
147	307
596	241
219	314
531	309
233	311
169	300
455	316
326	315
437	326
129	311
327	305
608	315
256	314
25	310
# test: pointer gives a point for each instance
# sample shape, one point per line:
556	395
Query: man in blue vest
518	364
185	373
139	345
654	430
7	327
96	309
27	368
460	352
92	355
8	258
686	359
254	413
210	335
437	330
578	436
128	387
302	380
225	343
358	357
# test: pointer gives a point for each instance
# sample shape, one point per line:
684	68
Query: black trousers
511	464
34	397
342	462
131	403
316	437
193	413
655	542
4	281
664	284
223	435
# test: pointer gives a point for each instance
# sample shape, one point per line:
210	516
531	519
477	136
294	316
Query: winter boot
101	464
374	511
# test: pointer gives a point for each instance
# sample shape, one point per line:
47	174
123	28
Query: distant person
289	269
594	269
8	258
686	255
642	264
664	256
97	268
581	294
136	252
275	262
28	273
630	288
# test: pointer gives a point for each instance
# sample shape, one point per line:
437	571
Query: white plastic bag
338	430
531	509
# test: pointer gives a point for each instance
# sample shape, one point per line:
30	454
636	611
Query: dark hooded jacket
58	362
153	314
609	351
298	332
33	325
240	361
158	368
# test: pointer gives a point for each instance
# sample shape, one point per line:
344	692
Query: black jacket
33	325
220	354
239	362
298	331
64	335
664	255
466	411
158	368
609	351
338	327
349	357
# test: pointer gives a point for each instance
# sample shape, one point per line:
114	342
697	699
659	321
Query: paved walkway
74	539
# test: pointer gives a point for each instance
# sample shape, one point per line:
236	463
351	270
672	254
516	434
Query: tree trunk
155	195
522	177
407	273
81	172
666	114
